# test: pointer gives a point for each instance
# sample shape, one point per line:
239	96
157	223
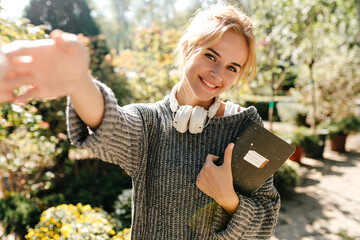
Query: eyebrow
217	54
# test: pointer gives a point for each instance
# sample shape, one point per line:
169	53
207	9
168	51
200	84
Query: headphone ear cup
181	120
197	120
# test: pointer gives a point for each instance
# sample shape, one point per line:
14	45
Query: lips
209	84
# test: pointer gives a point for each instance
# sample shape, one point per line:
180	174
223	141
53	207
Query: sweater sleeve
118	138
255	217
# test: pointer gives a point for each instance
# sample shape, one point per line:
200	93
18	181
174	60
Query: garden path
326	204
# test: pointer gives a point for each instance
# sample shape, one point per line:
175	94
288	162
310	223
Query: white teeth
208	84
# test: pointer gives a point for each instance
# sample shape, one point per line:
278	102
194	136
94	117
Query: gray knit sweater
164	165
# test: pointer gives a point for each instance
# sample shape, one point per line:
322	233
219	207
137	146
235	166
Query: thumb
228	155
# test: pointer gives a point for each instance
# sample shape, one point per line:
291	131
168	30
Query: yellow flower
30	234
66	229
52	221
86	208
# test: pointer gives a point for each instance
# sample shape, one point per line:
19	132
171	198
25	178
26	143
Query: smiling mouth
210	85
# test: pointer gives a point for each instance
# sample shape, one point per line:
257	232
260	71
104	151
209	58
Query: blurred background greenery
309	77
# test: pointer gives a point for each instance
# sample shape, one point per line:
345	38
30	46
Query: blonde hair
207	28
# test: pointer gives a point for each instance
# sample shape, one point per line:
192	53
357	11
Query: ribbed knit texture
164	165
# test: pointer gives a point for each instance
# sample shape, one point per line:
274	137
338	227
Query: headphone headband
186	117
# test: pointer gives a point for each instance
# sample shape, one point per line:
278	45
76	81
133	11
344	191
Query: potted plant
315	143
297	139
312	144
339	130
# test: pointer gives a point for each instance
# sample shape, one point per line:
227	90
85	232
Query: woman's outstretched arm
53	68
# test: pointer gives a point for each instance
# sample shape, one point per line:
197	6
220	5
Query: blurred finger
63	39
56	34
24	47
4	65
29	95
17	82
21	65
6	97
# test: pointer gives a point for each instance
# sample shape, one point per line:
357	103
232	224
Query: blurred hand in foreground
48	68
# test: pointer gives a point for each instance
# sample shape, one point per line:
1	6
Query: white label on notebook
255	159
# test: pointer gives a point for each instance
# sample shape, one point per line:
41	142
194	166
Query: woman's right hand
4	68
51	68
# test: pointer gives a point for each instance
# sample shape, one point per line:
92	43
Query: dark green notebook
257	155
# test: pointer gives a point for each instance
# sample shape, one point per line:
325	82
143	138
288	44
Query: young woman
169	147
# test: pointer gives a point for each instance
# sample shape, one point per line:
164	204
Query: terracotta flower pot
337	143
297	155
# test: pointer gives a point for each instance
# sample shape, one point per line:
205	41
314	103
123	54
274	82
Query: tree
68	15
296	40
328	29
150	65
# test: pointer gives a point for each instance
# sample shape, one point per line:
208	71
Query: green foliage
292	112
103	66
119	20
287	177
341	85
150	65
122	208
96	190
305	137
297	42
298	138
18	213
21	30
48	200
344	126
68	15
25	151
72	222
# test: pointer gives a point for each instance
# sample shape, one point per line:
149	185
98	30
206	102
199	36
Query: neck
185	96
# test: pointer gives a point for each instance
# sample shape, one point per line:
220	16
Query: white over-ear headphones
186	117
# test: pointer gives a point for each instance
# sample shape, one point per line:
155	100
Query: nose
216	74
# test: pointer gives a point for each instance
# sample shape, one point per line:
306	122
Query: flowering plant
123	235
72	222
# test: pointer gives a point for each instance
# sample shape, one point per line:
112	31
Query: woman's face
213	70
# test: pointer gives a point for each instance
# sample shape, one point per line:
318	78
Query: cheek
229	79
192	68
188	67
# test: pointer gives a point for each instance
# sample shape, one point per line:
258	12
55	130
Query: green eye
232	69
211	57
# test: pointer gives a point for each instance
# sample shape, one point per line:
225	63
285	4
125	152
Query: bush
287	177
122	208
344	126
123	235
18	213
96	190
292	112
72	222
